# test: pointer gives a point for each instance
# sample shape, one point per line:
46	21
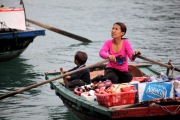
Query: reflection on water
16	74
31	104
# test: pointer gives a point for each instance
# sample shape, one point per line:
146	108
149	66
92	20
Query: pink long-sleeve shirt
121	63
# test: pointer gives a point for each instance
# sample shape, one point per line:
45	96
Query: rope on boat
3	24
172	69
172	113
155	102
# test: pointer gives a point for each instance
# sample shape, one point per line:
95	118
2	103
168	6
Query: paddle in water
53	79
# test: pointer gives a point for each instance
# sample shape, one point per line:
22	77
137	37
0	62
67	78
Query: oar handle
65	33
158	63
87	67
53	79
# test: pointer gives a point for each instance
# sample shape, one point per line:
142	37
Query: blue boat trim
31	33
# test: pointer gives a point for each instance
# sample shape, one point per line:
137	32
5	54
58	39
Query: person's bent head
81	57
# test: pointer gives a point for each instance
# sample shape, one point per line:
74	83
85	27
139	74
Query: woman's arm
104	50
129	50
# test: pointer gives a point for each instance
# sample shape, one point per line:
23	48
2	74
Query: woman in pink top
118	50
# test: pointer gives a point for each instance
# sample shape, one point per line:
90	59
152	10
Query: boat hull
12	44
8	55
133	114
141	113
90	110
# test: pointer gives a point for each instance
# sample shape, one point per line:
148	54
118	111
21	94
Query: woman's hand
135	54
112	58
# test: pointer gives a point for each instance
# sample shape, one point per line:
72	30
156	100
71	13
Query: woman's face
116	32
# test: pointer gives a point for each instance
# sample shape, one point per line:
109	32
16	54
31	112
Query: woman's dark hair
81	57
122	26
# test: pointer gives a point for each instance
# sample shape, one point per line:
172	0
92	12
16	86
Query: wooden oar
77	37
158	63
50	80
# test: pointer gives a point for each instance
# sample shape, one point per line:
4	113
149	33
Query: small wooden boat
160	108
15	34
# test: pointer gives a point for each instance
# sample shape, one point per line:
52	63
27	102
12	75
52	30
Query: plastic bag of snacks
176	84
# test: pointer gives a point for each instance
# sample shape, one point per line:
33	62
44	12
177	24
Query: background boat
15	33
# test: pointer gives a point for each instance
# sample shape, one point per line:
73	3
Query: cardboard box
153	90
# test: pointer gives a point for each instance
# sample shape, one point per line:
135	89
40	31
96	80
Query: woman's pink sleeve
129	50
104	50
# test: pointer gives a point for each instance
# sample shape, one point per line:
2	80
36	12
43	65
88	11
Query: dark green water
153	28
